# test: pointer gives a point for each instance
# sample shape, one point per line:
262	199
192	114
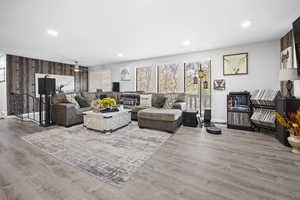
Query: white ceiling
95	31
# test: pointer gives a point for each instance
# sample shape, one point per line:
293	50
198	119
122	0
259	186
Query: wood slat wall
21	76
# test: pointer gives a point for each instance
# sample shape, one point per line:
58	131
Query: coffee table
106	122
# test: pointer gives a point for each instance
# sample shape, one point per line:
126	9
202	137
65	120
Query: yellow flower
295	125
281	120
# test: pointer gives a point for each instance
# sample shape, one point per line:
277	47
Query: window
2	75
192	84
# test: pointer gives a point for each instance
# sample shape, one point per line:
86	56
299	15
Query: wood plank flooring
191	165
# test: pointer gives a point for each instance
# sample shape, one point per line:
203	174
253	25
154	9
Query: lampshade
288	74
201	74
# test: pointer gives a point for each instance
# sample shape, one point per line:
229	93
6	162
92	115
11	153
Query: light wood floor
190	165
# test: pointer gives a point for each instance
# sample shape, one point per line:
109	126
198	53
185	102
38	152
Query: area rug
112	158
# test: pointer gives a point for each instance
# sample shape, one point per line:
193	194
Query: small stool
189	118
214	130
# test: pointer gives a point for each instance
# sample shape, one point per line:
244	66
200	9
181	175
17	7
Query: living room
149	99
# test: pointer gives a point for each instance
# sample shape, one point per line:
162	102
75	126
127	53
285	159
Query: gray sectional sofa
67	112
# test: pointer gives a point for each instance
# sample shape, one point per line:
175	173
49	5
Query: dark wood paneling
21	76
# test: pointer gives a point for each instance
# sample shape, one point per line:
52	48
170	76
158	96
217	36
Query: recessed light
246	24
186	43
52	32
120	55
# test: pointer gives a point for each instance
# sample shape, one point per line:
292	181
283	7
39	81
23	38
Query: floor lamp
201	75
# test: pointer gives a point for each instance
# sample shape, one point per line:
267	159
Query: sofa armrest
65	114
179	106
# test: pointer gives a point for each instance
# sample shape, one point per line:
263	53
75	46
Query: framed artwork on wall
168	78
146	79
125	74
219	84
235	64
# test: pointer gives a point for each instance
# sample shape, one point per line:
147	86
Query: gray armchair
65	113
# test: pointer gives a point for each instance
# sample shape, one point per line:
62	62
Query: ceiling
94	32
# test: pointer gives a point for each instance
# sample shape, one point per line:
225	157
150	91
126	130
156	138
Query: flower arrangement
291	121
103	103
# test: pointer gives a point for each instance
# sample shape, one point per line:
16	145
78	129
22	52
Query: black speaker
207	115
116	87
46	86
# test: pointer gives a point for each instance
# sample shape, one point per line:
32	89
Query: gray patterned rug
112	158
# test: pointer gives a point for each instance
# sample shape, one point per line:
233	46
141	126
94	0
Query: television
296	30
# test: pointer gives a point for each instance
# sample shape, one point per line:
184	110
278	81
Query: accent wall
21	76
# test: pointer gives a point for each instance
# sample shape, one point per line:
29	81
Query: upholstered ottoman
161	119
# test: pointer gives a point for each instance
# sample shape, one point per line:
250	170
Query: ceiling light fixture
246	24
76	67
186	43
52	32
120	55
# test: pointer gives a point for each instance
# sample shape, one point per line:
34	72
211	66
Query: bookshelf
239	111
264	106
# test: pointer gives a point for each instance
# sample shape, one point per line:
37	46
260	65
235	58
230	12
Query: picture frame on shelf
235	64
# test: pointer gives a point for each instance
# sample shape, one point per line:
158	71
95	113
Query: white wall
100	79
3	96
263	69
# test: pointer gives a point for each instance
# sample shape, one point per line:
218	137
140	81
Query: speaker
46	86
116	87
207	115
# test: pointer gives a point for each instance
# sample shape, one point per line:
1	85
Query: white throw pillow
71	99
146	100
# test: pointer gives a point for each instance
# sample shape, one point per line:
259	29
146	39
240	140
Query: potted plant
107	103
292	122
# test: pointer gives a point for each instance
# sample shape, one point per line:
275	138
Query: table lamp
289	75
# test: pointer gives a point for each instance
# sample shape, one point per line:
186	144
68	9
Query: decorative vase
295	143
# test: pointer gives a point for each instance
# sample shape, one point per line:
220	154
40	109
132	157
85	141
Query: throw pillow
82	102
88	96
71	99
129	101
146	100
159	101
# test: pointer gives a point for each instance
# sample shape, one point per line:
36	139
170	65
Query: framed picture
235	64
219	84
125	74
2	75
286	58
146	79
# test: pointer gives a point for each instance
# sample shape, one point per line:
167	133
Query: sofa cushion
160	114
82	102
88	96
158	100
59	98
129	101
130	96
